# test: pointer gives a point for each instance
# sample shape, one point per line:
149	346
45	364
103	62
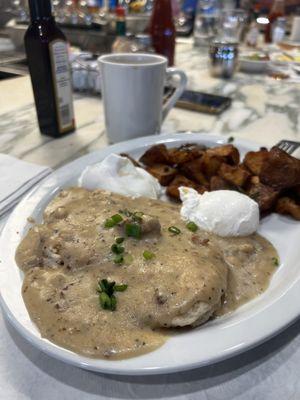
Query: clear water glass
232	23
206	22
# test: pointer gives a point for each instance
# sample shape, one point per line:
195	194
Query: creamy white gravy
191	278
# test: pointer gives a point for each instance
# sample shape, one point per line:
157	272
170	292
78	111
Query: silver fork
288	146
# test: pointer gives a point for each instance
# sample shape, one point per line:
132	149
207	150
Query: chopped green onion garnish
121	288
107	298
119	259
148	255
113	302
107	287
120	240
230	139
105	301
113	221
109	223
192	226
275	261
117	249
117	218
174	230
133	230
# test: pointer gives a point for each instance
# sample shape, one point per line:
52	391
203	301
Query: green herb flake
275	261
117	249
119	259
133	230
117	218
113	302
109	223
113	221
148	255
119	240
121	288
230	139
105	301
174	230
192	226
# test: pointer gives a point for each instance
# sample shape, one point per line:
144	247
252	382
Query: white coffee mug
132	88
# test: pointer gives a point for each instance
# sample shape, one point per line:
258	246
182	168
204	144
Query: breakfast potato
228	153
210	164
164	173
218	183
254	160
280	170
180	180
264	195
193	170
185	153
286	205
235	175
157	154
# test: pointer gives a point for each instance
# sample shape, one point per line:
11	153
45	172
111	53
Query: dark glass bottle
46	49
162	29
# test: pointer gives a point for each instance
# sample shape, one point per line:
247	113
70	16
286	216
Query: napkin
16	178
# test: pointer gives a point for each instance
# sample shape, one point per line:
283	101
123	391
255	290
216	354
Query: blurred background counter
264	109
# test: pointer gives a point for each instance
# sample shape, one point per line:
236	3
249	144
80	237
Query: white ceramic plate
219	339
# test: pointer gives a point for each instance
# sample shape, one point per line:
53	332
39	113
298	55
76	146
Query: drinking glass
231	25
206	21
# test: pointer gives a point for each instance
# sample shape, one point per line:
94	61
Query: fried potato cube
280	170
180	180
164	173
157	154
227	152
236	175
182	156
296	192
264	195
254	160
185	153
210	164
218	183
192	170
286	205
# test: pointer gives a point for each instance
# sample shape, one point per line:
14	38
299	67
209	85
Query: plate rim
110	368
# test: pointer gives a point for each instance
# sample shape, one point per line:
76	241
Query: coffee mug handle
178	92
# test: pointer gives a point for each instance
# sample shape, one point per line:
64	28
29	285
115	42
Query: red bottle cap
120	11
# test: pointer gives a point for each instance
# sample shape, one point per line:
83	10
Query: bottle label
62	84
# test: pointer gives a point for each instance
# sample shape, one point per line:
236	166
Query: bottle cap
120	12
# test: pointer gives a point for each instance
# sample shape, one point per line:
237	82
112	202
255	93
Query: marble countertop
263	110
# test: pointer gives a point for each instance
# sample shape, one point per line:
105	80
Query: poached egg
118	174
223	212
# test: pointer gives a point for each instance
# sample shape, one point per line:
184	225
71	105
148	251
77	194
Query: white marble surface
263	110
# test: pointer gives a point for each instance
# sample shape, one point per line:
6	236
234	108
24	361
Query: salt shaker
223	58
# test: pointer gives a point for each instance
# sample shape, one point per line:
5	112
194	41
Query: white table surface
263	110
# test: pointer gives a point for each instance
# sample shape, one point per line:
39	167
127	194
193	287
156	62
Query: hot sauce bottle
162	29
